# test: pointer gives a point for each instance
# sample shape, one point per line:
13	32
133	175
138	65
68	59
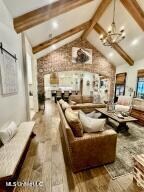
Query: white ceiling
133	44
19	7
108	52
141	3
58	45
132	29
65	22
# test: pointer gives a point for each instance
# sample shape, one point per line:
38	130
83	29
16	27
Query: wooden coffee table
122	122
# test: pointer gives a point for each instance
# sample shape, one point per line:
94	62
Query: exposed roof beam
135	10
60	37
100	10
45	13
115	46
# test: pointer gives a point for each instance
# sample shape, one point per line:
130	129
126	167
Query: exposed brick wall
61	60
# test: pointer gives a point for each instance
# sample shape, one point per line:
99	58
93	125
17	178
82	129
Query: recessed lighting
122	29
55	24
110	54
54	46
135	42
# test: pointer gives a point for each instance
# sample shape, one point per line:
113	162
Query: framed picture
8	73
81	55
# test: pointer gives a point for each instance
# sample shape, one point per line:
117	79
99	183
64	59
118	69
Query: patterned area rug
128	145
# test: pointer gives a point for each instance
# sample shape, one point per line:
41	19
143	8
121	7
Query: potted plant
41	100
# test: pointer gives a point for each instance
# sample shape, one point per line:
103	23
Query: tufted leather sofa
84	102
90	150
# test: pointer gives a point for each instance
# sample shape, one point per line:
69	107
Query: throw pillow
91	125
74	122
124	100
65	105
93	114
61	101
7	132
122	108
72	102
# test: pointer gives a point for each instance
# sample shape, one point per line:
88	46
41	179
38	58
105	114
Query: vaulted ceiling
50	24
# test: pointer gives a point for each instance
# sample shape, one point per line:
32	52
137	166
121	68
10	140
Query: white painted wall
32	75
131	71
29	68
35	84
12	107
67	80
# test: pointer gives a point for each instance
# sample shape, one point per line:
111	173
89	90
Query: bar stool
58	96
78	93
66	95
73	92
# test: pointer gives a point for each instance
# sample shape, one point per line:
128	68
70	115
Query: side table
138	176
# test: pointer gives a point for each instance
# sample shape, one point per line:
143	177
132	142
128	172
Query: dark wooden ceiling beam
45	13
100	10
60	37
115	46
135	10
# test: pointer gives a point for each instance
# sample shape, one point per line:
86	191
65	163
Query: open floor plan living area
72	96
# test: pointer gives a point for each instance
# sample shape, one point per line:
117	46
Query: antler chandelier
112	36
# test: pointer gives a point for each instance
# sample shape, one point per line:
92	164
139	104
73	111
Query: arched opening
71	81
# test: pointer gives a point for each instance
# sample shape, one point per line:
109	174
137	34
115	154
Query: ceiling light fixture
55	25
112	36
134	42
110	54
54	46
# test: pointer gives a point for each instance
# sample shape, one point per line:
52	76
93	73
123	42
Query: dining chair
66	95
73	92
58	95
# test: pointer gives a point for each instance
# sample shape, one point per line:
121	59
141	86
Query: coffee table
122	122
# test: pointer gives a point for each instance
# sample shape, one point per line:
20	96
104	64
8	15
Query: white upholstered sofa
12	152
123	104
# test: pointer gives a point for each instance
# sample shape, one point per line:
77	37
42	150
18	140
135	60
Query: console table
139	115
138	174
138	110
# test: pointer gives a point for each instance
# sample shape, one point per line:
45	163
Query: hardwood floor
44	162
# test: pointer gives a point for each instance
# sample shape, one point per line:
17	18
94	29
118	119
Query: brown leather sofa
84	102
90	150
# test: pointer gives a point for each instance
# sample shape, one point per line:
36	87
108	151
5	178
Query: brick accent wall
61	60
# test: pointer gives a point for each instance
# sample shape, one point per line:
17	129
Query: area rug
128	145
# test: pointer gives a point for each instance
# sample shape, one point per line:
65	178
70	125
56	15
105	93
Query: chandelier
112	36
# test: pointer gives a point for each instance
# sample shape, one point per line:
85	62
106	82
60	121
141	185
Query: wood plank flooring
44	162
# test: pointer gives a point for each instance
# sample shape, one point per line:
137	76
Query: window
120	89
140	87
120	84
140	84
